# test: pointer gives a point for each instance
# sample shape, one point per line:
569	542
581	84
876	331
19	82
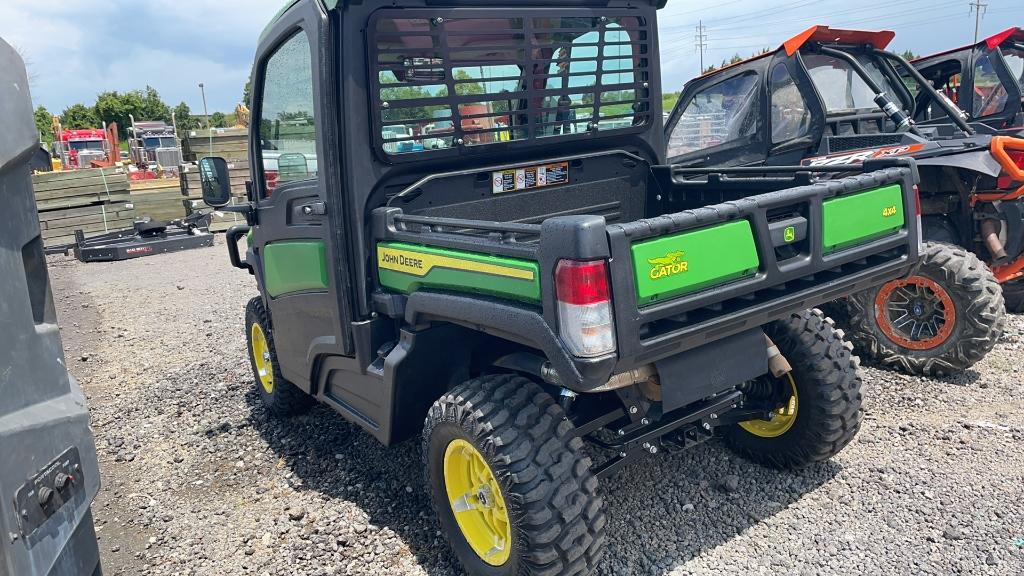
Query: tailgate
700	275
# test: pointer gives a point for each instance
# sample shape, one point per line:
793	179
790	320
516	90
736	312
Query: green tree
183	117
116	107
466	88
909	55
44	124
79	116
247	92
217	120
153	107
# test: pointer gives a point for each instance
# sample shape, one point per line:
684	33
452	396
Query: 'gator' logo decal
860	156
889	211
668	265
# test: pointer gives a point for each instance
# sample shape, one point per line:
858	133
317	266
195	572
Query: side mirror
213	175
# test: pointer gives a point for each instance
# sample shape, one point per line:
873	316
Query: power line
978	9
700	41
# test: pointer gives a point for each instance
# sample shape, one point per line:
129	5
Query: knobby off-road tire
279	396
1013	294
827	379
978	305
556	516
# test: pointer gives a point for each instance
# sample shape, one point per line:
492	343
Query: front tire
279	396
820	400
509	482
938	321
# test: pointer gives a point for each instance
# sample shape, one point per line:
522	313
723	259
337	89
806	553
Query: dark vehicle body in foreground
48	469
462	226
830	96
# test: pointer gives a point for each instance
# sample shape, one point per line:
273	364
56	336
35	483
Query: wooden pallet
94	200
158	199
228	143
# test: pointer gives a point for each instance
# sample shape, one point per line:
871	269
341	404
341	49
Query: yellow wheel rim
477	503
782	420
261	357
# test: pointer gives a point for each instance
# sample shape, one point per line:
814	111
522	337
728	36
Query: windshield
472	81
159	142
86	145
841	88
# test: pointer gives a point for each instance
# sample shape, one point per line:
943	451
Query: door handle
314	209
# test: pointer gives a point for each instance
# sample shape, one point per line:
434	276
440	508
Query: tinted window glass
718	114
841	88
790	116
1015	60
989	93
287	122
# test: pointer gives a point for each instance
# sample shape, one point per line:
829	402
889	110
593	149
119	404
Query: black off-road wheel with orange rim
937	322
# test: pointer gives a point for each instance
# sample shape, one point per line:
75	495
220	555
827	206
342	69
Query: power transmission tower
700	41
978	8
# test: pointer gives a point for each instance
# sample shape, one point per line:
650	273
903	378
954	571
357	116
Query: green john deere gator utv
462	227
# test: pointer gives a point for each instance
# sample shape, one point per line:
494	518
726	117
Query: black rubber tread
828	381
558	519
287	399
980	316
1013	295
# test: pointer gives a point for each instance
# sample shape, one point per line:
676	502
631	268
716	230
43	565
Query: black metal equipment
146	238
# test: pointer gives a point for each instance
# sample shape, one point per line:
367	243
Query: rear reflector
585	318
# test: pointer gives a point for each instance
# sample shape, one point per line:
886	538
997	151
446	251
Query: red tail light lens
581	282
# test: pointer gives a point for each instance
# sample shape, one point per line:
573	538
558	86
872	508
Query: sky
76	49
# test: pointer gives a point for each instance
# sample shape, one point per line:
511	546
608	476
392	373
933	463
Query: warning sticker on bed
530	177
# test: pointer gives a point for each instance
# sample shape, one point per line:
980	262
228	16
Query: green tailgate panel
689	261
294	266
862	217
407	267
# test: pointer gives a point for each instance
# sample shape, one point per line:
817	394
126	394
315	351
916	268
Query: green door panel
291	266
689	261
862	217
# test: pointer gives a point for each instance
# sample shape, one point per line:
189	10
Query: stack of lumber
94	201
158	199
192	190
229	143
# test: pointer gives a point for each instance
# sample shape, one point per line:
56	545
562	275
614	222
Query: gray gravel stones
933	485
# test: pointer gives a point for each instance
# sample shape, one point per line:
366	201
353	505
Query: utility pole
978	8
700	41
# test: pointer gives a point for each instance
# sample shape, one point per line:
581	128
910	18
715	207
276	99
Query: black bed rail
499	238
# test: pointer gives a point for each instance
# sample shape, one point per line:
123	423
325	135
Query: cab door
719	122
292	239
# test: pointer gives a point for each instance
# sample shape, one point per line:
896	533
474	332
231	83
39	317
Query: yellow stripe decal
420	264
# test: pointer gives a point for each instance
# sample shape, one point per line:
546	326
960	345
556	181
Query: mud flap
712	368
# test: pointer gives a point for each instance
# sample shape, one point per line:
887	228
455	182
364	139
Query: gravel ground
196	481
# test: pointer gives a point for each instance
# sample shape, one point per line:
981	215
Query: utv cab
487	250
985	79
828	97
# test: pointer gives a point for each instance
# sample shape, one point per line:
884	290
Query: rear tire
1013	294
826	413
548	496
279	396
964	282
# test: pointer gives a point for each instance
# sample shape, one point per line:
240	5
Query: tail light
585	319
1005	182
917	211
270	176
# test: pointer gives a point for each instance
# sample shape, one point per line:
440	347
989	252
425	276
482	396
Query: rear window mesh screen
469	78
